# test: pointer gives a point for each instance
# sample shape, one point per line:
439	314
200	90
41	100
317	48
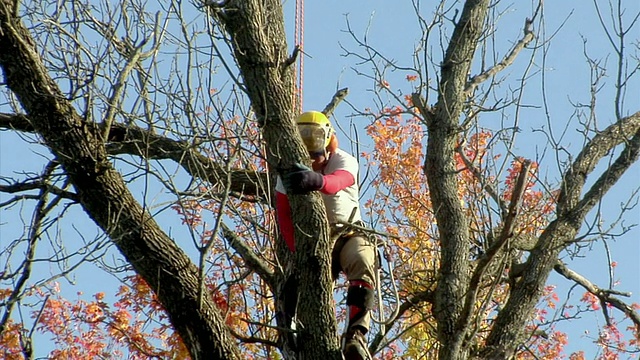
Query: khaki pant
356	257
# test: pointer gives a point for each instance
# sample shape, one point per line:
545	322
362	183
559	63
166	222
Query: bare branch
508	60
606	296
335	101
132	140
575	178
247	254
415	300
485	185
254	339
118	89
39	214
505	235
38	184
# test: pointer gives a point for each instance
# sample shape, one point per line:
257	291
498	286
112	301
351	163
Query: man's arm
283	216
336	181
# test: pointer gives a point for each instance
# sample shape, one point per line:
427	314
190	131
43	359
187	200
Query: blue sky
394	31
572	29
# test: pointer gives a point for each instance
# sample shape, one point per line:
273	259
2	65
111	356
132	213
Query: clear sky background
393	30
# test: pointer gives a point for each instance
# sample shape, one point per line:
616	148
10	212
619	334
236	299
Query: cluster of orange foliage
133	324
401	205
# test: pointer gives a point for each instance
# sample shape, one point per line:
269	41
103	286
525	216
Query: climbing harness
376	239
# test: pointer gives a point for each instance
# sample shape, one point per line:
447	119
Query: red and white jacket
339	192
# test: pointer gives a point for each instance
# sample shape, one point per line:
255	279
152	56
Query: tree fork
105	197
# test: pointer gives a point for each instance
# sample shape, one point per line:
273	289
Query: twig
508	60
252	339
35	229
507	230
247	254
493	193
426	296
39	184
605	296
337	98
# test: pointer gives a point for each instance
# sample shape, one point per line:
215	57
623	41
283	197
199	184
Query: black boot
355	345
360	301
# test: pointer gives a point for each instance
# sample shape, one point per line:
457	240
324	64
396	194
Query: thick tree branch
627	157
132	140
570	215
104	196
592	153
453	274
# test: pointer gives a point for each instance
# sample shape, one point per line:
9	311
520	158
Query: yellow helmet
315	130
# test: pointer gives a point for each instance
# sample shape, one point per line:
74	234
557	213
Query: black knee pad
360	296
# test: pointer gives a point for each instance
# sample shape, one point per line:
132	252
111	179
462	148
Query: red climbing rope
299	41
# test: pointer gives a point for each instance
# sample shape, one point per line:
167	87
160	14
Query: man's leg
357	259
290	300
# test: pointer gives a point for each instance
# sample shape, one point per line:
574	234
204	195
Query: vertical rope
301	58
299	42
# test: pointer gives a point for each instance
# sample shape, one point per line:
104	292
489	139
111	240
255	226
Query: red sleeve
283	216
336	181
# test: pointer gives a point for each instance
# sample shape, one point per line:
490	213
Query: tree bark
571	211
440	169
257	32
104	196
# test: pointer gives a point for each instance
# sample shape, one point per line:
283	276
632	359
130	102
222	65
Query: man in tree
334	173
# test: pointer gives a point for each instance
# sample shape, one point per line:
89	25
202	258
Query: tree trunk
260	48
440	169
105	198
